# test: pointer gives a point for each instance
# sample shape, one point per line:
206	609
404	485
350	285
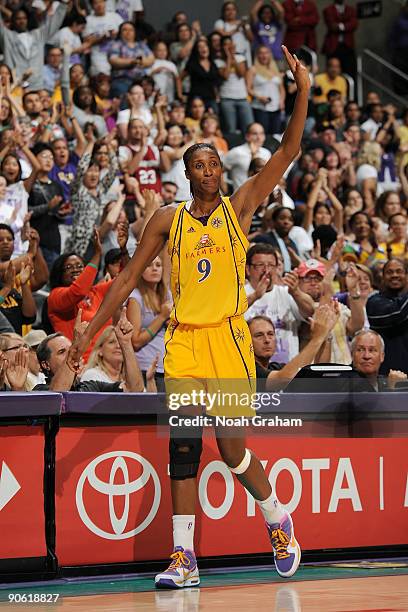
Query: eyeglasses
263	266
72	267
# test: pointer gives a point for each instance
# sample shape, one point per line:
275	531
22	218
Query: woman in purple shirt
267	26
148	309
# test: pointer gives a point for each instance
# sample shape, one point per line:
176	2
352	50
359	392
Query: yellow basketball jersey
207	266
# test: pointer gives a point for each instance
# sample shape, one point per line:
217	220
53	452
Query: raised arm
324	320
152	242
254	10
40	273
82	167
133	376
106	182
53	23
356	304
30	180
311	203
338	213
250	195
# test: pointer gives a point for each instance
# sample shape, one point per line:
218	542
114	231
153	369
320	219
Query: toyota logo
111	490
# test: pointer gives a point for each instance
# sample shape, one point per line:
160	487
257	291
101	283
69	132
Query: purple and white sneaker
286	549
182	571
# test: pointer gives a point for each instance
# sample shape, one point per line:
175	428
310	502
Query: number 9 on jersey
204	268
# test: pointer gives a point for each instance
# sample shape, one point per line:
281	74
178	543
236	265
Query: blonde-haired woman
148	310
265	85
106	362
14	358
368	165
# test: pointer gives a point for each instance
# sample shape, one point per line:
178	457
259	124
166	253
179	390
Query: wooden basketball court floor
382	587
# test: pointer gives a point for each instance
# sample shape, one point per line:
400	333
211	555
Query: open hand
9	279
25	272
17	371
152	201
324	319
291	280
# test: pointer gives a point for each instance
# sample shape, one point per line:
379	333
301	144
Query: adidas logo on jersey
190	230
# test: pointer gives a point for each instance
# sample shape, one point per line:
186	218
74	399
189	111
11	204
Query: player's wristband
2	299
149	331
91	265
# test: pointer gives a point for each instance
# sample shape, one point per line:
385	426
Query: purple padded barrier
13	404
115	403
380	404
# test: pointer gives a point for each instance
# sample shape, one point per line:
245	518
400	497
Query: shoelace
179	558
280	541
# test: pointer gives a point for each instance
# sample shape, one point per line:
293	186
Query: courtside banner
22	519
113	496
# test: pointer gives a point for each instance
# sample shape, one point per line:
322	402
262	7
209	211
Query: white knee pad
244	465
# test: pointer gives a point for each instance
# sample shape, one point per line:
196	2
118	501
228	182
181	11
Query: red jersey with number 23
148	173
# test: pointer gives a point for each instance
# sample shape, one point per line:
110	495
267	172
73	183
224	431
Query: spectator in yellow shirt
331	79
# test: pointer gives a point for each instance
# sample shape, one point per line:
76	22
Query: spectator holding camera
265	85
238	28
129	59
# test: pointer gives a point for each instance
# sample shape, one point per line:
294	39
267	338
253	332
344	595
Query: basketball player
207	337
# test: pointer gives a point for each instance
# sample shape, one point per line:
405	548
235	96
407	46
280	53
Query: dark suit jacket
332	19
300	32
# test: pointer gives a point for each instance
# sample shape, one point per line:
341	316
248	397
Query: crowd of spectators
97	108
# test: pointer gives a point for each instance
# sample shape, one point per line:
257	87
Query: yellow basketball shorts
211	366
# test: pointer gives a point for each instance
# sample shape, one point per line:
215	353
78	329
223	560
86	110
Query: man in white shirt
375	120
237	160
285	304
101	28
